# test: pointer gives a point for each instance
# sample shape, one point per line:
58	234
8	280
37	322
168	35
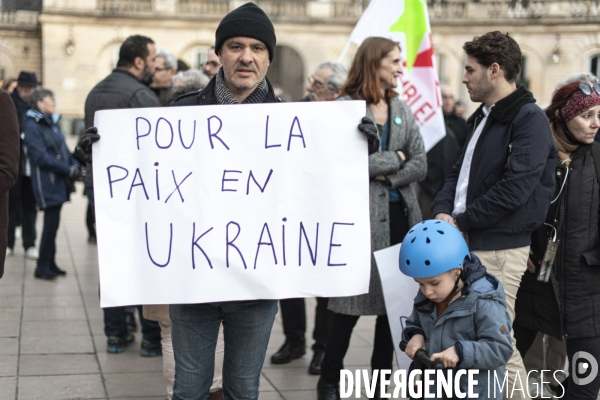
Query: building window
114	55
523	77
595	64
199	57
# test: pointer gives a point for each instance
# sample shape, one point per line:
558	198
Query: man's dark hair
496	47
133	47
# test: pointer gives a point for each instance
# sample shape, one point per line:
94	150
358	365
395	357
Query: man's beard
147	76
483	90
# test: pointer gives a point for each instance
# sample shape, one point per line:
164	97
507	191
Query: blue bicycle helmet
431	248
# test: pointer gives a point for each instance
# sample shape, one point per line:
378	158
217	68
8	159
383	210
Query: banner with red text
407	22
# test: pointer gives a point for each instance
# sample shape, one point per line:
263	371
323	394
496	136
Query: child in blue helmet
459	315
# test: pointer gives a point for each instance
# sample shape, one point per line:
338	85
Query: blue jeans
246	328
115	325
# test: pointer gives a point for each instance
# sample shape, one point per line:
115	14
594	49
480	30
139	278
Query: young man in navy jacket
500	190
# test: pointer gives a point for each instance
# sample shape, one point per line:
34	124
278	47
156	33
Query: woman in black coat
567	305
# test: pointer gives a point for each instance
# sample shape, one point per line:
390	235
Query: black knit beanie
249	21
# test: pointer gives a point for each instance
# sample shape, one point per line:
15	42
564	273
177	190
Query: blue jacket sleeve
412	326
493	348
37	152
531	146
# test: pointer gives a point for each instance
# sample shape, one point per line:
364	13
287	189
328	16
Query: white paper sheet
399	292
234	202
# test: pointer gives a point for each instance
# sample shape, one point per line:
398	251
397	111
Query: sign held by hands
220	203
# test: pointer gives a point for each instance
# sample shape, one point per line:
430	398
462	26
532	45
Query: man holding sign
245	44
244	302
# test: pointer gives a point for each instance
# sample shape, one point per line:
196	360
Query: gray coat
402	175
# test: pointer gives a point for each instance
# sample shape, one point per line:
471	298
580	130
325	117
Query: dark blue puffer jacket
48	169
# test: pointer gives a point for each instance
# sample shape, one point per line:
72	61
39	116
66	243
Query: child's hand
448	357
415	343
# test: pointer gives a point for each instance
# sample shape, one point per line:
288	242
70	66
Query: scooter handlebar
422	357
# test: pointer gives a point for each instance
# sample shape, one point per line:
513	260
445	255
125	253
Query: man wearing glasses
212	64
323	85
165	67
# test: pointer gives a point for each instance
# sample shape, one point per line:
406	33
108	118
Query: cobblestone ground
52	344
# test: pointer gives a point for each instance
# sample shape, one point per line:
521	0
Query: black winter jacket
22	107
512	175
573	292
120	89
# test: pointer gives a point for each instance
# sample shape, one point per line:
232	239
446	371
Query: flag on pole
407	22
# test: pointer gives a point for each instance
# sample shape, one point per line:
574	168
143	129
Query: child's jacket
477	321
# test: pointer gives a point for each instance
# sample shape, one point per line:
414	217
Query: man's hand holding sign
220	203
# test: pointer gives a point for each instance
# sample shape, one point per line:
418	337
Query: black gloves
83	151
368	127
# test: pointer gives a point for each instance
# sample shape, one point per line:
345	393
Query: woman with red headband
560	293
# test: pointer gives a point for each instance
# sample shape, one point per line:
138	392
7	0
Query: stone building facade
72	44
308	33
557	38
20	38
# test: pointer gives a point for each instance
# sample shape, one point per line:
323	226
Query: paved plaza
52	344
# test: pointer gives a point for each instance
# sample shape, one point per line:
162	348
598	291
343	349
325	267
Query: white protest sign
399	292
234	202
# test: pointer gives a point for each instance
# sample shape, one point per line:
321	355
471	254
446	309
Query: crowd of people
511	198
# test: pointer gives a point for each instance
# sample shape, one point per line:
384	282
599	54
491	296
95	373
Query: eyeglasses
587	89
316	83
213	64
